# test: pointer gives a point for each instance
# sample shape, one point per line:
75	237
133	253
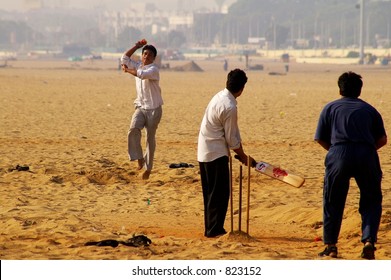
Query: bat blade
279	174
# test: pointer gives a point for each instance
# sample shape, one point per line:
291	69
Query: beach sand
68	123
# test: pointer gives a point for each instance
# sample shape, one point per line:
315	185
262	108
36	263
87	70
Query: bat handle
252	161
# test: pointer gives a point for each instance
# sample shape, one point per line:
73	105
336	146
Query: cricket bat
279	174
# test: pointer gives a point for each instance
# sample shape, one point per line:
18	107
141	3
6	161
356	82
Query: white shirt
147	83
219	130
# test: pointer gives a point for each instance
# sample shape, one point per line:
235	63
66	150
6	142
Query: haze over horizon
21	5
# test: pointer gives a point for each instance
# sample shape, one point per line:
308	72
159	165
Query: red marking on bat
278	172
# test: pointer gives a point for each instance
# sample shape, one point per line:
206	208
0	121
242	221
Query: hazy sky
115	4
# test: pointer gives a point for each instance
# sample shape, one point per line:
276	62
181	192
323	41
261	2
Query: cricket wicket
231	194
240	195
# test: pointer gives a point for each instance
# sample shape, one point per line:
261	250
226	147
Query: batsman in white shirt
219	133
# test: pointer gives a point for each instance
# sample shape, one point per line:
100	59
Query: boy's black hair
236	80
150	48
350	84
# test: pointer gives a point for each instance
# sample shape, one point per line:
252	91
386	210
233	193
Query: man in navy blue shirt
352	131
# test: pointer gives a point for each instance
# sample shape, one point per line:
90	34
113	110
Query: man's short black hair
150	48
350	84
236	80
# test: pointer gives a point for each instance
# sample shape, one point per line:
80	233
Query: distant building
139	17
37	4
258	41
32	4
181	22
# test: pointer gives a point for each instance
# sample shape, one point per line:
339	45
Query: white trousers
148	119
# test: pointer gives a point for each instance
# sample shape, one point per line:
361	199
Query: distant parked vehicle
75	58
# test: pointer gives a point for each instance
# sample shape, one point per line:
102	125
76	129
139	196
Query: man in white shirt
219	133
148	104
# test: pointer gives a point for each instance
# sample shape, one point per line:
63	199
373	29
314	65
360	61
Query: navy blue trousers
215	190
343	162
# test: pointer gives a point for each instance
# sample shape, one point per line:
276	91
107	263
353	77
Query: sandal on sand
331	251
106	242
19	168
368	252
181	165
135	241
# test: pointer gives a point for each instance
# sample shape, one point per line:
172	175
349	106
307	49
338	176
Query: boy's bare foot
141	162
146	174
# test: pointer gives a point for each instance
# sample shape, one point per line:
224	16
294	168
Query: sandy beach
68	123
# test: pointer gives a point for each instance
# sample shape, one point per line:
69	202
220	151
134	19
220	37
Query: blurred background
185	28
